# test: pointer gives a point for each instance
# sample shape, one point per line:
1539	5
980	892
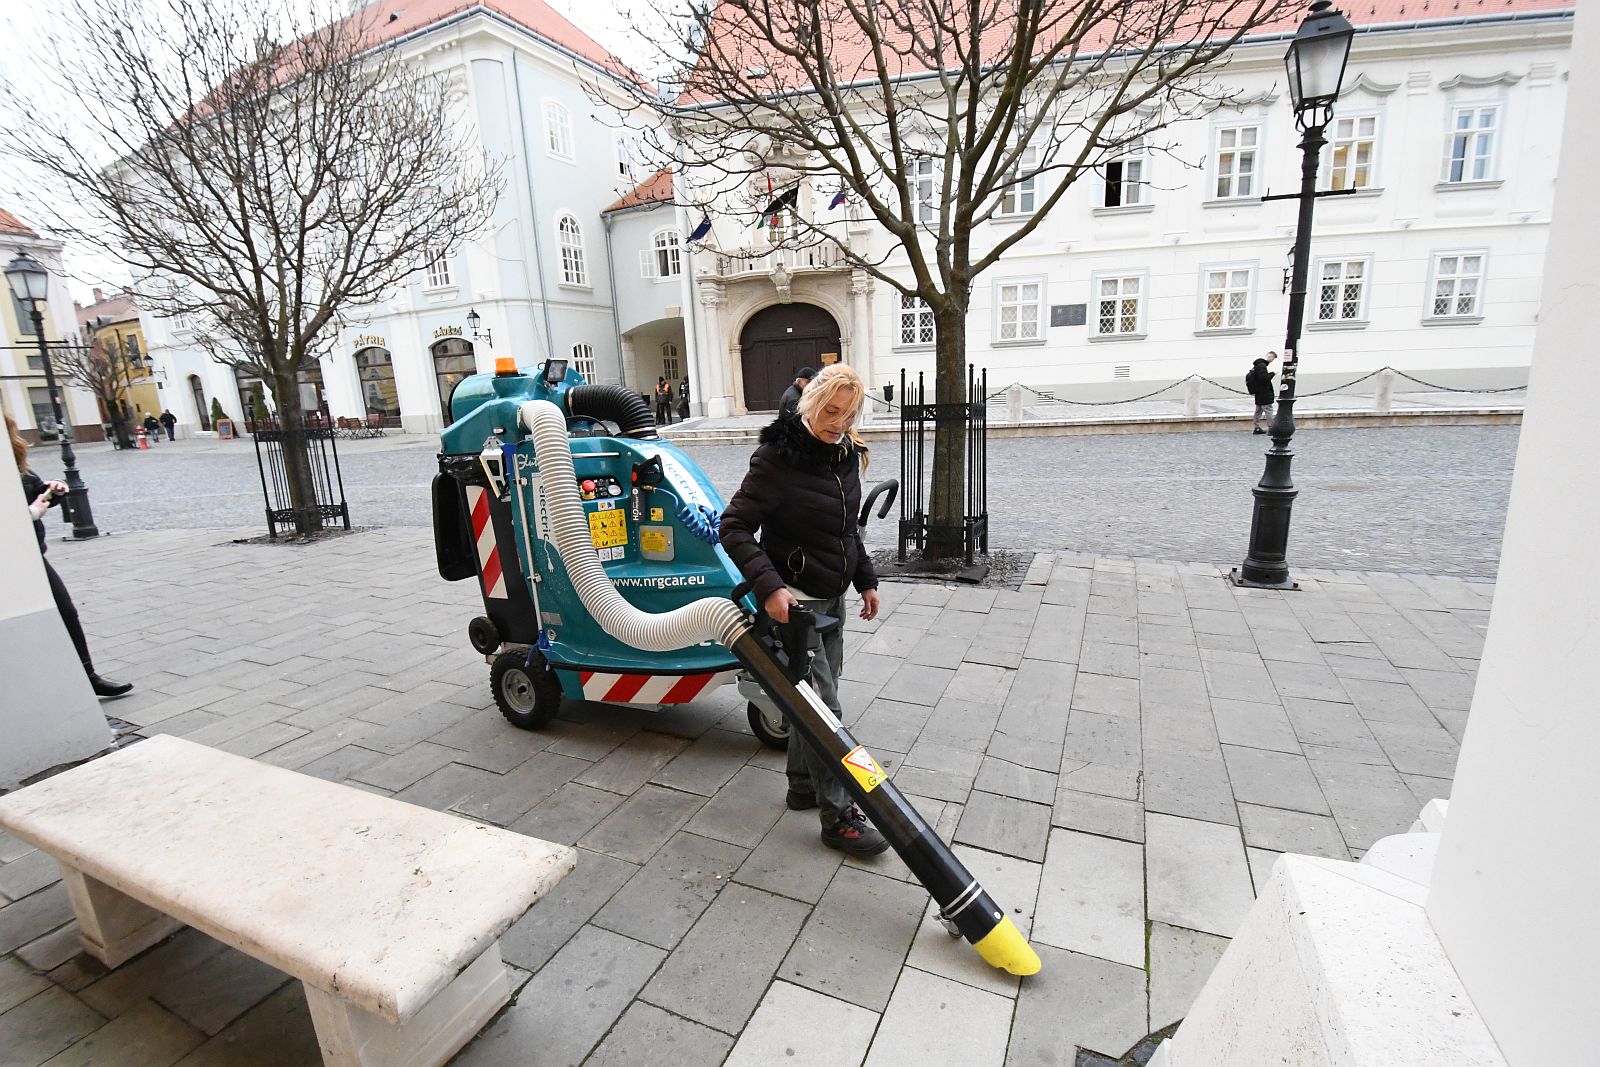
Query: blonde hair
19	444
829	383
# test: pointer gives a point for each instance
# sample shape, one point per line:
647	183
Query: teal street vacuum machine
594	544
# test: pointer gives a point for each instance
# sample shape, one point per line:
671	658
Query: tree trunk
947	501
296	454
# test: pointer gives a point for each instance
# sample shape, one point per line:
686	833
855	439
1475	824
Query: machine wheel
482	634
528	696
772	734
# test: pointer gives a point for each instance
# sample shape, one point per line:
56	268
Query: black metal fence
919	422
327	483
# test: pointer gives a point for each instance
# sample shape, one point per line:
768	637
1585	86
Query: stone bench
389	914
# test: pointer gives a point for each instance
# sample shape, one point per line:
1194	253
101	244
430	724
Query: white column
714	351
1517	880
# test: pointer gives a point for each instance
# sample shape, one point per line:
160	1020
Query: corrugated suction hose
710	619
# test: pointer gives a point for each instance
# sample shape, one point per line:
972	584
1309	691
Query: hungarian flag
701	230
784	201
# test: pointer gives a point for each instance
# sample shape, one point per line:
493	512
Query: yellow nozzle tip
1005	947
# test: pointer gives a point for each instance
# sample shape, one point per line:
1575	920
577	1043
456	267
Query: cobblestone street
1427	499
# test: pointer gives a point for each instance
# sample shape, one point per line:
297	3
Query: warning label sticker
859	762
608	529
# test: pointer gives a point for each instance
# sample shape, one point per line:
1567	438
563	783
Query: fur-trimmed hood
798	447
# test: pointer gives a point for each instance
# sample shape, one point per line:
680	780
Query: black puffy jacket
32	486
1259	382
793	520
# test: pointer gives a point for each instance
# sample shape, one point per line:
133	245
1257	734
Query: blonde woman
41	497
791	529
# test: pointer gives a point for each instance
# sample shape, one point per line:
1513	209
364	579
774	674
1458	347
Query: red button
588	485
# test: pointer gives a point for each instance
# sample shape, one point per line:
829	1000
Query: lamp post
30	283
1316	63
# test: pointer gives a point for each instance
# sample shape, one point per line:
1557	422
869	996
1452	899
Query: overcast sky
29	27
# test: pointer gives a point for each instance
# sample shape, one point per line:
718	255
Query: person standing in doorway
663	402
683	399
41	497
169	422
791	396
1259	382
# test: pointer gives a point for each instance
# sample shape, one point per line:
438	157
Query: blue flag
838	198
701	230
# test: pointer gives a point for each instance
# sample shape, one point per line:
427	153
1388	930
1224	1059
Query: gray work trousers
809	771
1263	419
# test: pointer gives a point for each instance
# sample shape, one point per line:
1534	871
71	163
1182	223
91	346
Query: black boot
106	688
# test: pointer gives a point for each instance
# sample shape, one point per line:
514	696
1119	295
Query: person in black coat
791	529
791	396
41	497
1259	382
169	423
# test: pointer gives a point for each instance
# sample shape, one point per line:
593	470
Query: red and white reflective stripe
494	578
649	688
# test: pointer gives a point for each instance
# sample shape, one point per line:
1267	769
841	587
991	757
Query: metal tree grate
327	483
918	422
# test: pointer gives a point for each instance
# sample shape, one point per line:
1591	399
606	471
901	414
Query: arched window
453	360
200	406
570	237
375	366
668	252
583	361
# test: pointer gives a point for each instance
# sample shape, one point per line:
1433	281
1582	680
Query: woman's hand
777	605
869	605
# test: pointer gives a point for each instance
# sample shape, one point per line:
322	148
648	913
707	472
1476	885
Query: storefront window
452	361
375	366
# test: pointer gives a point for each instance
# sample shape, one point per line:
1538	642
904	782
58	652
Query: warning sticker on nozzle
859	762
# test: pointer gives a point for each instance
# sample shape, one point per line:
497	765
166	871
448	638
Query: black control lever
889	486
647	474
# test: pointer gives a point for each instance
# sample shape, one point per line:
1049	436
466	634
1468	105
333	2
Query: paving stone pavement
1117	748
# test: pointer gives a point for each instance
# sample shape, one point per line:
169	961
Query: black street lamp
30	284
473	319
1316	62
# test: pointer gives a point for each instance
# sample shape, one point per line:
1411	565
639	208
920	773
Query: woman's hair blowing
19	445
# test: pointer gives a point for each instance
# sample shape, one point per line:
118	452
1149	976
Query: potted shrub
220	421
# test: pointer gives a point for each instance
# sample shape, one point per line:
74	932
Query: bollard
1191	397
1014	402
144	442
1383	398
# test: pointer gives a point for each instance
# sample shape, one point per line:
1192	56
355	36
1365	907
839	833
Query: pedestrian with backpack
1259	384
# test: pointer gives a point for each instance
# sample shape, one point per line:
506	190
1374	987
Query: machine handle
890	486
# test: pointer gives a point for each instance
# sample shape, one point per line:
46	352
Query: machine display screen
555	371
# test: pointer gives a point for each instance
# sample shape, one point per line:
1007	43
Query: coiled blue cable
701	521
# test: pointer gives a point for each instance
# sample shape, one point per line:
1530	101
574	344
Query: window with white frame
1020	193
669	362
439	269
558	129
1352	151
1020	310
666	254
627	158
1235	149
1119	305
583	361
1457	285
182	322
1341	290
916	321
570	238
1227	297
924	187
1125	177
1469	153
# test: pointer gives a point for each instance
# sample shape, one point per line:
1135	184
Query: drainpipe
686	288
533	205
611	279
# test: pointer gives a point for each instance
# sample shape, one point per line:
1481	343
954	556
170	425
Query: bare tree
101	368
262	171
933	116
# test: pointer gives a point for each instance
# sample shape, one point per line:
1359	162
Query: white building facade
538	279
1168	264
23	393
